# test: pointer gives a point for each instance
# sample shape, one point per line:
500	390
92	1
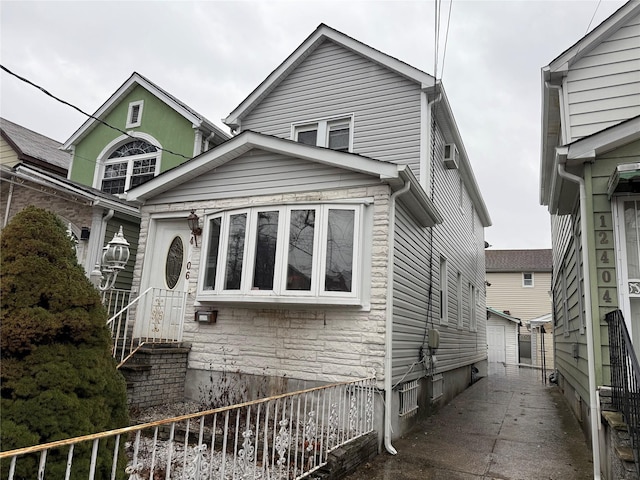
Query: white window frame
323	128
459	301
444	291
473	313
524	280
279	294
132	106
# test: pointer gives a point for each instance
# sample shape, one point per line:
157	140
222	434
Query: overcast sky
212	54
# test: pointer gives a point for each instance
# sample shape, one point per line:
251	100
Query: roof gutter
593	399
388	358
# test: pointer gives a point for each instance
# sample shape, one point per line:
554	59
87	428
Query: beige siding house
519	282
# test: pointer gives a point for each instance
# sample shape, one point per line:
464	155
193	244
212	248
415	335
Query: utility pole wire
64	102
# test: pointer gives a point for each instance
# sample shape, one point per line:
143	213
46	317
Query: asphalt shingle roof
34	145
518	260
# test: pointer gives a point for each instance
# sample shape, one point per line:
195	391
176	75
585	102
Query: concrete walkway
508	426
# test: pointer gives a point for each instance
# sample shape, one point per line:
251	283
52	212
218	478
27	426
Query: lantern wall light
194	225
115	256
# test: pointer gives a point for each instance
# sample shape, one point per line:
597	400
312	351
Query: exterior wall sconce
194	225
114	258
206	316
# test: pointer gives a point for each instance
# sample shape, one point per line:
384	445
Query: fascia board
248	140
125	88
586	149
587	43
416	199
323	32
465	167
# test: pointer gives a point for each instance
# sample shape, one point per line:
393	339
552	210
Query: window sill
202	299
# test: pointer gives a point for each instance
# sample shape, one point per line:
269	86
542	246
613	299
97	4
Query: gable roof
395	175
138	80
34	148
504	315
519	260
595	37
322	33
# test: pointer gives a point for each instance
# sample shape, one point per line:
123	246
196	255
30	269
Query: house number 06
188	274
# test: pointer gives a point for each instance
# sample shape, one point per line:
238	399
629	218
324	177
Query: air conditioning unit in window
451	156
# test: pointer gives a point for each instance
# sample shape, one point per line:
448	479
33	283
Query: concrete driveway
508	426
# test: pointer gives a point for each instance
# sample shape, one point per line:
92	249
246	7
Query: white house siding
603	87
313	344
507	293
460	239
258	172
334	81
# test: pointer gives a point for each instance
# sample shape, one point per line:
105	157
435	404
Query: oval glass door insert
173	267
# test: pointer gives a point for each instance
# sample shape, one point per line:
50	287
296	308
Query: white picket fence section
282	437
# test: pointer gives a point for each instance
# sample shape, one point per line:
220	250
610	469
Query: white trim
459	300
524	281
279	293
132	106
444	290
103	157
323	128
309	45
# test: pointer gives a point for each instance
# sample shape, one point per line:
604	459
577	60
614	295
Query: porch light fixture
114	258
194	225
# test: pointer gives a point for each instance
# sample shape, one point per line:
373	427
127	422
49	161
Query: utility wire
446	38
64	102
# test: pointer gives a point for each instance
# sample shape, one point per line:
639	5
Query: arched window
130	165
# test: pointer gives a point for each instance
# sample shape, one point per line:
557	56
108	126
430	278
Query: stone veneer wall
324	344
156	374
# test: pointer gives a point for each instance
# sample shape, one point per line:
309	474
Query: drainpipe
388	364
593	399
9	198
96	275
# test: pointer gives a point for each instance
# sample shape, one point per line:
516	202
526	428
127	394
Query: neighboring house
519	284
139	132
345	239
590	171
502	337
33	171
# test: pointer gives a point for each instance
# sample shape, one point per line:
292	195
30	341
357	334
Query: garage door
496	341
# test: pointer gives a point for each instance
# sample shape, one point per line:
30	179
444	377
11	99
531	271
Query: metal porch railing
158	315
625	379
286	436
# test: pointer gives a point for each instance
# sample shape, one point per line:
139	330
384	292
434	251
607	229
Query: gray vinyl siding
460	239
334	81
259	172
603	87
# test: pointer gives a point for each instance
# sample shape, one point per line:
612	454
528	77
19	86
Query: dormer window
129	165
334	133
134	115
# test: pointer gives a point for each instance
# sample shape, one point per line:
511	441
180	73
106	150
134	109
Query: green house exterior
140	128
590	182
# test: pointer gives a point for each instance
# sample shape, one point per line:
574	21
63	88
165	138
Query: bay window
300	253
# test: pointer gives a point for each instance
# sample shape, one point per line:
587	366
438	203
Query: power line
64	102
446	38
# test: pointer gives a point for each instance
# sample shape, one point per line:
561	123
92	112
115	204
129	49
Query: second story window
527	279
335	133
134	114
128	166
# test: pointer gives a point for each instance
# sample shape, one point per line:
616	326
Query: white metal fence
282	437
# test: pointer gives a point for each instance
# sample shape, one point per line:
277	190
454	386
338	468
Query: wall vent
451	156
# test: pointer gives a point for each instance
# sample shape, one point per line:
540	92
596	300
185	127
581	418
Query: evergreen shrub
57	377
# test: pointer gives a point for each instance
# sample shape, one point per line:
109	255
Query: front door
627	217
161	311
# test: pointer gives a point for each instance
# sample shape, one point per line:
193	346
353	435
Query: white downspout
96	274
9	198
593	399
388	343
